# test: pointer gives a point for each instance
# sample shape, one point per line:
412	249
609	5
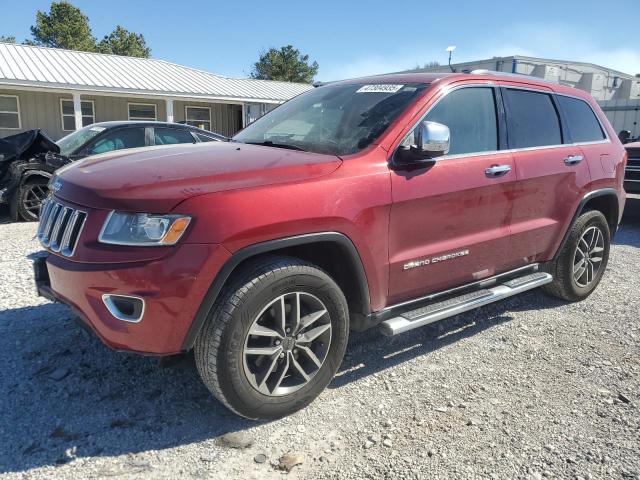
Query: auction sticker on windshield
384	88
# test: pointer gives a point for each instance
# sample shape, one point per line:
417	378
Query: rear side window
171	136
470	114
582	122
532	119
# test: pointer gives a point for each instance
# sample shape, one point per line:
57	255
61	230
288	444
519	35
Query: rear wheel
583	259
28	199
275	339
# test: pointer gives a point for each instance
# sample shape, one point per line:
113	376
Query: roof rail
484	71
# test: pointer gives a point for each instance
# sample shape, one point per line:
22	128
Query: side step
463	303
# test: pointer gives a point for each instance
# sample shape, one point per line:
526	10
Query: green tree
64	26
7	39
286	64
123	42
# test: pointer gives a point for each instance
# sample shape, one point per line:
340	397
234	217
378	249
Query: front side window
9	112
199	117
68	114
171	136
532	119
582	122
142	111
118	140
339	119
470	114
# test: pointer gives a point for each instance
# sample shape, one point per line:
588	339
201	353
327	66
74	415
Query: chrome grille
60	227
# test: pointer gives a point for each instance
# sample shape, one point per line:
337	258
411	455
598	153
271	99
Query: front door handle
573	159
497	170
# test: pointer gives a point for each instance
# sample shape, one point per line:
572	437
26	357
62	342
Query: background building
617	93
62	90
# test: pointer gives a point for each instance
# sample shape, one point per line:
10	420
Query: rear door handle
573	159
497	170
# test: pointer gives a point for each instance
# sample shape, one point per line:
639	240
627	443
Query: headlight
143	229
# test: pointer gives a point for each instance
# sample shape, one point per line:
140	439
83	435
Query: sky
355	38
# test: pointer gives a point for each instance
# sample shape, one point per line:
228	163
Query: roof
432	77
407	77
152	123
25	65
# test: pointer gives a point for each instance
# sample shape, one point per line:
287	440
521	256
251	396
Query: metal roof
68	69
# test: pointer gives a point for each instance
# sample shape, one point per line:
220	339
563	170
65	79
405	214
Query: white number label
384	88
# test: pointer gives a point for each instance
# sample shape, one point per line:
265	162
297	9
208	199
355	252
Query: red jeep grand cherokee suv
395	201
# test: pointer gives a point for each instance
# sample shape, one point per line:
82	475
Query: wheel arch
604	200
35	173
332	251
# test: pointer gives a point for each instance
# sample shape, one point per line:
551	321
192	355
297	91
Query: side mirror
432	140
624	136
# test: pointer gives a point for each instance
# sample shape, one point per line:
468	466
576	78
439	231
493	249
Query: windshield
72	142
334	119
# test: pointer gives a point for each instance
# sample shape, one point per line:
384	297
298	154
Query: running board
463	303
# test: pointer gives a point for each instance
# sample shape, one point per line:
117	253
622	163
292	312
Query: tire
567	283
256	293
26	201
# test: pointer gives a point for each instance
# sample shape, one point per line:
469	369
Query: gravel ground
528	388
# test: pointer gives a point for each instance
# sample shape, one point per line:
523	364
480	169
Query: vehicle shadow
369	352
64	389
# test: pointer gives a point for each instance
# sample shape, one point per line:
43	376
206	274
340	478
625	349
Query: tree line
66	26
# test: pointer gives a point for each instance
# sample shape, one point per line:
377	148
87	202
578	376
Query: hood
156	179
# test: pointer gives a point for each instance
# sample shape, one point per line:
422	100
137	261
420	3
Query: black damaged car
28	160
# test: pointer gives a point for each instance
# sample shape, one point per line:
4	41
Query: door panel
450	208
546	196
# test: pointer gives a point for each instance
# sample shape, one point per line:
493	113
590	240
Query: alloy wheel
34	195
287	344
588	256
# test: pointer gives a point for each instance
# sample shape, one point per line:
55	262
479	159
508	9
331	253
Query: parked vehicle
391	201
632	172
31	157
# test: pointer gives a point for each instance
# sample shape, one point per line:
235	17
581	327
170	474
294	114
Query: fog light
124	307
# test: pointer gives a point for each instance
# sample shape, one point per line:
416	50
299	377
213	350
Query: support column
77	110
244	115
169	103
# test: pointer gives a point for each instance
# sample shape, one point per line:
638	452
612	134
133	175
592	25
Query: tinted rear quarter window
582	122
532	119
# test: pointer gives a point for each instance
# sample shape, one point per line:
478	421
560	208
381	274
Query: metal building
62	90
617	93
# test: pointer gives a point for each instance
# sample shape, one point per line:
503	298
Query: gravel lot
528	388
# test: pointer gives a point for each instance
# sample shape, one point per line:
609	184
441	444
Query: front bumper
172	287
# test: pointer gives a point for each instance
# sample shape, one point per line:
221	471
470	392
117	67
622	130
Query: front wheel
580	265
27	200
275	338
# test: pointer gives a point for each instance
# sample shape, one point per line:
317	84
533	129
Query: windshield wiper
269	143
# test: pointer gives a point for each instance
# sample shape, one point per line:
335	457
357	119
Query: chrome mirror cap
433	139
